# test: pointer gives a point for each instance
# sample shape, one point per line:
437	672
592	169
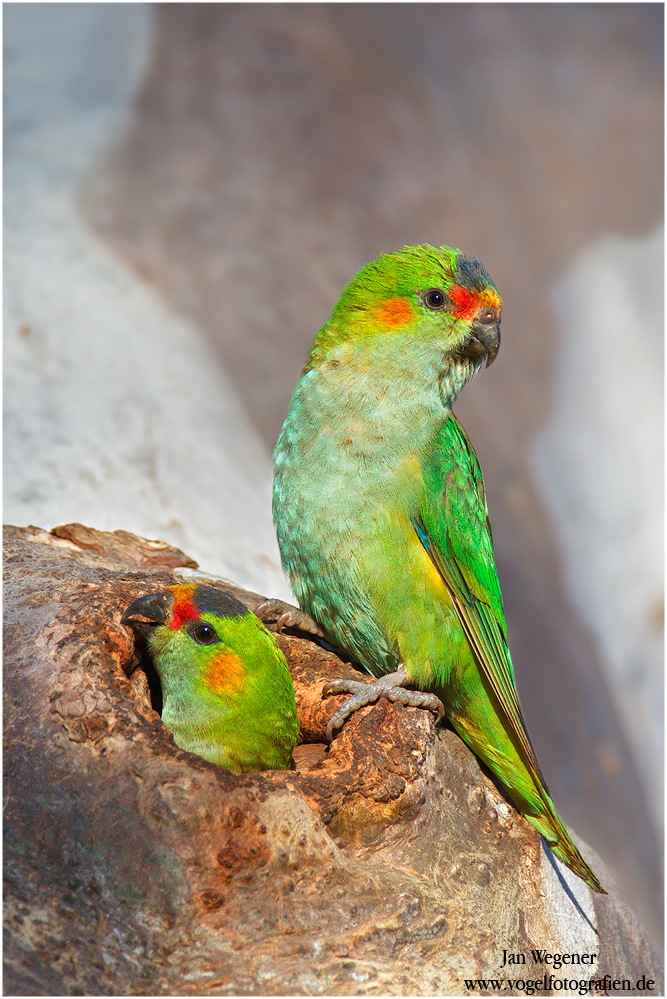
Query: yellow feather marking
225	674
417	558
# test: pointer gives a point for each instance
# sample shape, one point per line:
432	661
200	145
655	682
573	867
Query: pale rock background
118	413
600	462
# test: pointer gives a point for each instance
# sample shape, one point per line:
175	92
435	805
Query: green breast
348	480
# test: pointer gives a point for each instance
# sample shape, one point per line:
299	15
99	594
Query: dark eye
203	633
435	299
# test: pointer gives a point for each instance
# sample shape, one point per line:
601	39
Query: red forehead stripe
466	302
184	607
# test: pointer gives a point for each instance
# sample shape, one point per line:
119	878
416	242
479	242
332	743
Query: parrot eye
203	634
435	299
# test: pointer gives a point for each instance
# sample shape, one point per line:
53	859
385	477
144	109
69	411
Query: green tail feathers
560	843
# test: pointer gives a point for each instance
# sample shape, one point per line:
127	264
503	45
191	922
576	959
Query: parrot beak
155	607
484	339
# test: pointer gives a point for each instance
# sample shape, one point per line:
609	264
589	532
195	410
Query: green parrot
227	693
382	519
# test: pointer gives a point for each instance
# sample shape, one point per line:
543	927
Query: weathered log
388	863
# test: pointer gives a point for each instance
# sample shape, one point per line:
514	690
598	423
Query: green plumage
226	689
380	508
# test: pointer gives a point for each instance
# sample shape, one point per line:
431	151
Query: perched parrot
381	514
227	693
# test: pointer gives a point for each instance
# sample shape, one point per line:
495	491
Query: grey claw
417	699
352	704
389	686
341	686
284	615
273	611
283	621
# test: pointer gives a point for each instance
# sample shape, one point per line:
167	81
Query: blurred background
188	187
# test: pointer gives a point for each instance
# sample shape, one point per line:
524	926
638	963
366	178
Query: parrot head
420	297
226	688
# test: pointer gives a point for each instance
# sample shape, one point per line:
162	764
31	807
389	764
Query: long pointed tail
487	730
561	844
525	786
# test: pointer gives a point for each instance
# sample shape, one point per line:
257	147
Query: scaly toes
346	709
272	610
342	686
388	686
417	699
286	616
363	693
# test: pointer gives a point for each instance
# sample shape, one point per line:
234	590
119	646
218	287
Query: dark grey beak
484	339
155	607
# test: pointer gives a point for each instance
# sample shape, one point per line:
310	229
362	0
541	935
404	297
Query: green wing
455	531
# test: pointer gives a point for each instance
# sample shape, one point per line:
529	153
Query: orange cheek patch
394	312
225	674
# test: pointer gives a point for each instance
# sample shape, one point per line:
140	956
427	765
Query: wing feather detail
454	530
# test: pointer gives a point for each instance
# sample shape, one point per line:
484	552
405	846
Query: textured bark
125	547
387	864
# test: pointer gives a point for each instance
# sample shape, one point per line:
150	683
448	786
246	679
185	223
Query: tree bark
388	863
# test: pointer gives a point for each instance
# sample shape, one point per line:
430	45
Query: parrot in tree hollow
227	692
382	519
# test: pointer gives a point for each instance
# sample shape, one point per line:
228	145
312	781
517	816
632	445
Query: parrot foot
286	616
389	686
